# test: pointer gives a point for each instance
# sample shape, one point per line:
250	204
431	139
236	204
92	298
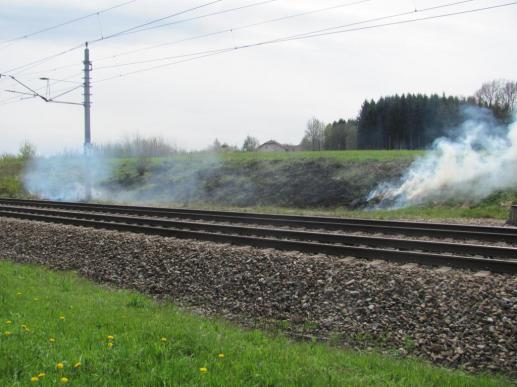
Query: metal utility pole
87	129
86	104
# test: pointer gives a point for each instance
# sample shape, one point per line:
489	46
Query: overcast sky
268	91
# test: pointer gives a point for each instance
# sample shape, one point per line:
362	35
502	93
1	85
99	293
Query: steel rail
482	233
463	262
400	244
163	210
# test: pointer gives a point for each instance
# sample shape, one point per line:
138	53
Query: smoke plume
135	178
63	177
479	158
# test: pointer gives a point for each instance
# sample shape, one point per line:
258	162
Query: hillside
333	182
298	180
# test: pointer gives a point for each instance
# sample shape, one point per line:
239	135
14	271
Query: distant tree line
406	121
500	96
339	135
137	146
412	121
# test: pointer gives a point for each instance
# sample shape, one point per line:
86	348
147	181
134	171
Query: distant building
271	146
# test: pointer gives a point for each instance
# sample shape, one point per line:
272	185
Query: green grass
349	155
481	211
10	176
134	173
36	298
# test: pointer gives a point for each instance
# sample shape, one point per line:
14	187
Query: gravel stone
452	318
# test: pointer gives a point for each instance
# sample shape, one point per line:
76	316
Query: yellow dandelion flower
25	328
60	366
41	374
7	333
203	370
77	365
64	380
34	379
110	345
163	339
110	337
52	340
8	322
62	318
221	355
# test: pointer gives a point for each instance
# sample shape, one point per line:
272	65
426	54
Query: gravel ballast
451	317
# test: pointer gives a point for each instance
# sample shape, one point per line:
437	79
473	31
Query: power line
319	33
6	42
136	28
178	22
68	91
128	30
55	82
216	51
413	12
164	58
235	29
205	15
314	34
35	94
43	60
46	59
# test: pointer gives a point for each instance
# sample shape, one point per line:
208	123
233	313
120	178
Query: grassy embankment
355	165
496	208
278	182
11	168
57	326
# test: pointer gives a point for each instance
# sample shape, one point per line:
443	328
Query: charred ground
333	183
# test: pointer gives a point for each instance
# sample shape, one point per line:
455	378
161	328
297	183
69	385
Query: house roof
272	142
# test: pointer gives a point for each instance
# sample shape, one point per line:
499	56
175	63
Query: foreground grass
51	320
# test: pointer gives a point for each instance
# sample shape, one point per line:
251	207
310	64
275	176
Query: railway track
306	234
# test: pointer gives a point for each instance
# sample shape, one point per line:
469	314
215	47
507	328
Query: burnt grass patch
297	183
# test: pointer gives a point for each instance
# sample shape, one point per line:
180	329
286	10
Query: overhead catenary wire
180	21
128	30
233	29
32	96
97	13
52	83
177	22
326	32
313	34
67	91
113	35
43	60
207	15
227	49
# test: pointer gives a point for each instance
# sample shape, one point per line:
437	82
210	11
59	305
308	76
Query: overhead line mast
87	102
87	128
87	107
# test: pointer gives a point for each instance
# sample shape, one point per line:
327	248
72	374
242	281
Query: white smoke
479	160
63	177
132	179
